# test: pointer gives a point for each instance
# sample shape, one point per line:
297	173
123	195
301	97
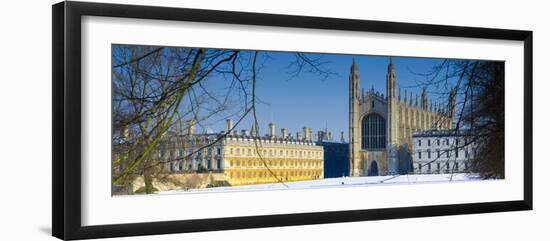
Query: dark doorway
373	170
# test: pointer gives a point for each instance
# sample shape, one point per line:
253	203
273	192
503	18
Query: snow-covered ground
342	182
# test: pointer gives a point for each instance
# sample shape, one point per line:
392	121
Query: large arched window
373	134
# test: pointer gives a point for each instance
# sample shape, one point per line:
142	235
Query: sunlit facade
242	157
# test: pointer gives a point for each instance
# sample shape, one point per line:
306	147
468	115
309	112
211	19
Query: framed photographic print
171	120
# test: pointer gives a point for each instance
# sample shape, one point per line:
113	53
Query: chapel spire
424	99
391	81
354	95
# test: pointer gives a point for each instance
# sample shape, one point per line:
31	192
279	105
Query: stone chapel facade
381	126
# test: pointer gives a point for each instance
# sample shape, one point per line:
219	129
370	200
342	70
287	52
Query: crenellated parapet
370	94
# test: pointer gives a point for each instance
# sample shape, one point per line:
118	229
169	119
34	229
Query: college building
442	151
242	157
381	126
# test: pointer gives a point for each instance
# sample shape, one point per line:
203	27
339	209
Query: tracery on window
373	132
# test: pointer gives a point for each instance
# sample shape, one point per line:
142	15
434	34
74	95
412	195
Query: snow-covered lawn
341	182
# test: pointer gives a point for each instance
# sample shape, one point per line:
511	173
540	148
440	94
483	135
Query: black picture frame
67	136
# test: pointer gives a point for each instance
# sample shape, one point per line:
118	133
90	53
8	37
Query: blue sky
313	101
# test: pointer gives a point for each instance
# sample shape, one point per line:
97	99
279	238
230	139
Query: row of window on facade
439	165
274	152
175	142
208	164
275	163
438	142
188	165
279	174
182	153
446	153
416	121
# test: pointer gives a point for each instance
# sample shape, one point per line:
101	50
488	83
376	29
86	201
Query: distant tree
484	116
479	90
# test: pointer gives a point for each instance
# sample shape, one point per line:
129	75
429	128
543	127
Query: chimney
253	131
229	123
244	132
284	133
271	129
342	139
320	136
191	127
298	136
306	133
329	136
